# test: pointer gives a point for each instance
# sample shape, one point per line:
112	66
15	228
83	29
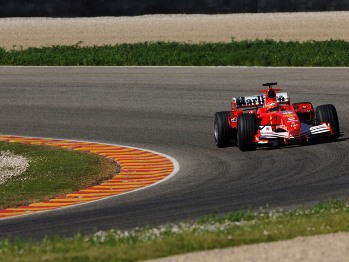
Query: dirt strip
332	247
36	32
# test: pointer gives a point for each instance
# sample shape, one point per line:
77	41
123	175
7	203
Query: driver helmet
272	106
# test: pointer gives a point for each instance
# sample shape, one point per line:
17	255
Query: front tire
328	114
223	133
246	131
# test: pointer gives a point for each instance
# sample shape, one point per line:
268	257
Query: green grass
208	233
52	172
244	53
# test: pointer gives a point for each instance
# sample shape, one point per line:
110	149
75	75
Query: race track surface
170	110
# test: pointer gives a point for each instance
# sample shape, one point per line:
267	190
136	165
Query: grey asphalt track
170	110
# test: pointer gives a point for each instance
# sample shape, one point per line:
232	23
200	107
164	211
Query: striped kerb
139	169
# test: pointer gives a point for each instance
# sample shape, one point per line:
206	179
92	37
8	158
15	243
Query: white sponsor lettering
292	119
258	100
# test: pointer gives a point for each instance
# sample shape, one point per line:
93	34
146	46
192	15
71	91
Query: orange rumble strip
139	169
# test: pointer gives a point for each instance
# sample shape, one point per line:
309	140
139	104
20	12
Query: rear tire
246	131
328	114
223	133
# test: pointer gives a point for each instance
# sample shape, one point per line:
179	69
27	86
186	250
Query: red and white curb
139	169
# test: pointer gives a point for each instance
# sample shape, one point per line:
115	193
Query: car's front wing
265	134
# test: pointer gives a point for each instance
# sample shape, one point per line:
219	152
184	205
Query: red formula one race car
270	118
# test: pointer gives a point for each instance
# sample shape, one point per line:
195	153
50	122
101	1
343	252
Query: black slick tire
223	133
328	114
247	128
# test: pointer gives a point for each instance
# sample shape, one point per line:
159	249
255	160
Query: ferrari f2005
270	118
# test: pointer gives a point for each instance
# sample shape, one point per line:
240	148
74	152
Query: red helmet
272	106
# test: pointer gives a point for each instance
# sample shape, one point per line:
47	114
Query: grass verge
244	53
208	233
52	172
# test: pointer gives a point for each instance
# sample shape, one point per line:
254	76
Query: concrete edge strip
140	168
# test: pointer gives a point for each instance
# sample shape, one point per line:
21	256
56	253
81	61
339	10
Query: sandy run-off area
331	247
16	33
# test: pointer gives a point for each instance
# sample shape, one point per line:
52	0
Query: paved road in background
170	110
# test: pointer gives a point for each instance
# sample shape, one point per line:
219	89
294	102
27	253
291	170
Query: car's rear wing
251	102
